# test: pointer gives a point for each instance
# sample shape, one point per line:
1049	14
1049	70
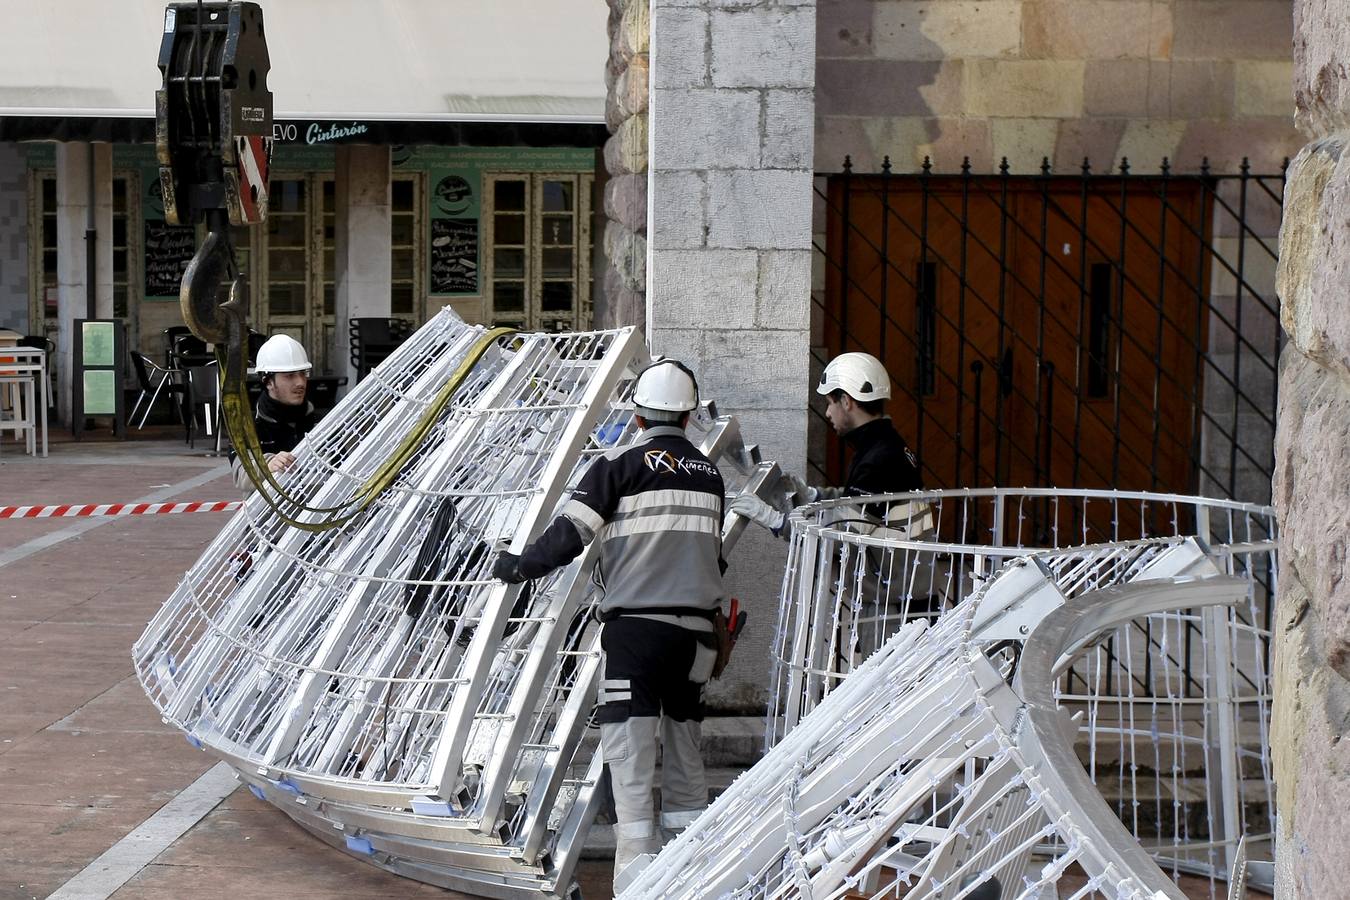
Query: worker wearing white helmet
284	414
857	386
656	507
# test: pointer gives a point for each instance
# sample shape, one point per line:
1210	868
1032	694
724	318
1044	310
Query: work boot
635	845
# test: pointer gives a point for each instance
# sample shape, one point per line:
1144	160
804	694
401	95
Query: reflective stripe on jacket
656	507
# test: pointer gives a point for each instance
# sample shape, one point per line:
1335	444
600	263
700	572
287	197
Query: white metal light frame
944	767
1175	707
374	681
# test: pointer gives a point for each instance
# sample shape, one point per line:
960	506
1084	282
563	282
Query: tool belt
609	615
720	640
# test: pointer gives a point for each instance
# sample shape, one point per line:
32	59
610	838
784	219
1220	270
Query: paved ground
84	759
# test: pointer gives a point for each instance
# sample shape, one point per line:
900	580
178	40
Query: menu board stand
99	373
168	250
454	256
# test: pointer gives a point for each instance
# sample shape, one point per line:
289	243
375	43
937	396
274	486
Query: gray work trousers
646	695
629	749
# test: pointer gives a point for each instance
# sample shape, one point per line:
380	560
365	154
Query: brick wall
1062	79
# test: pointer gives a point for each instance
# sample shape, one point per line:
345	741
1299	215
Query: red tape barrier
71	510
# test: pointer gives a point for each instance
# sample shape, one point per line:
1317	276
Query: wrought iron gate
1111	329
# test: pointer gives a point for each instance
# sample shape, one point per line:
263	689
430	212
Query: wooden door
1112	309
1037	332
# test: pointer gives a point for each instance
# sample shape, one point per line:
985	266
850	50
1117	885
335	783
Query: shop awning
489	61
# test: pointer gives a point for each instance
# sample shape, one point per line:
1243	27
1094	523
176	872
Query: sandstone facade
622	300
1312	479
1062	79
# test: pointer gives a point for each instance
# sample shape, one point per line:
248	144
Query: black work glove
507	569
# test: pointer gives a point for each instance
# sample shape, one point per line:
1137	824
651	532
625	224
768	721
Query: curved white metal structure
944	765
373	681
1173	709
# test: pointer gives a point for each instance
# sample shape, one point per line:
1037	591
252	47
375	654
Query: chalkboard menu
168	250
454	256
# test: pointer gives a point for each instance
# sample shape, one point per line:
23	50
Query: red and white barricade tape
73	510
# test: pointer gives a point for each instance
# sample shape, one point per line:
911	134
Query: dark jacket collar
656	431
270	410
868	433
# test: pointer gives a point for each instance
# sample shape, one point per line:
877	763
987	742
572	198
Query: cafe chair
203	403
323	391
154	380
188	350
42	342
171	336
372	340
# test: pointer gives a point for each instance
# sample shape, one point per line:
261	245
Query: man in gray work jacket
656	506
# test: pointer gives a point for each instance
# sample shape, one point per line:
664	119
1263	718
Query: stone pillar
73	197
729	233
363	264
1312	475
624	283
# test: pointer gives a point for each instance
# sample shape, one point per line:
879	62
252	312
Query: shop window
538	251
45	281
403	234
48	285
121	251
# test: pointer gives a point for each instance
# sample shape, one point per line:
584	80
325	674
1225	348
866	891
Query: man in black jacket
857	386
656	507
284	415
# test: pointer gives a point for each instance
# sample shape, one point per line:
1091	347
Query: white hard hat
860	375
666	385
282	353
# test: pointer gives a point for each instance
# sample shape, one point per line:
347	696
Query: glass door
43	281
286	282
298	294
406	300
538	244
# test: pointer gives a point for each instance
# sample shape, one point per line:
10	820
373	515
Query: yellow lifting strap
244	438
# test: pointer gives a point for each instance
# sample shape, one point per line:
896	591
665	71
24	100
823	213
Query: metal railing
1175	707
1101	328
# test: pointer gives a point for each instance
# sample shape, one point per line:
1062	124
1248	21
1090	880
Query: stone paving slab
84	757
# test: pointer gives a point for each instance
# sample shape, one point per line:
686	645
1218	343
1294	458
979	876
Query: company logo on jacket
663	461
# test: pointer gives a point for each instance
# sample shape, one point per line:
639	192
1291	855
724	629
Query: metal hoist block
213	122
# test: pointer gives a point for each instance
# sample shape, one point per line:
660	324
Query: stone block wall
729	247
1312	480
1102	79
622	298
13	239
1062	79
